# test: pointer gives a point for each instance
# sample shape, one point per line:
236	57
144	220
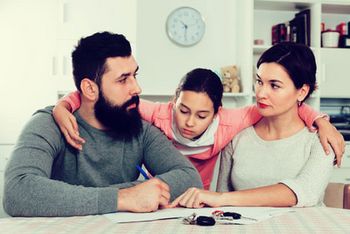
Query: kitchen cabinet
342	174
5	152
334	61
335	75
81	18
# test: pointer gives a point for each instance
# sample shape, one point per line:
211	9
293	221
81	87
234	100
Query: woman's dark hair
90	55
298	61
202	80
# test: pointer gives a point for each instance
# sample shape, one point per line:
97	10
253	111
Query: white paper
257	213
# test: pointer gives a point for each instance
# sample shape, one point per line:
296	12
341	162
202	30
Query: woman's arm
226	164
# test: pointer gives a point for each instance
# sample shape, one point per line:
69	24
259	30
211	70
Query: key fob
205	221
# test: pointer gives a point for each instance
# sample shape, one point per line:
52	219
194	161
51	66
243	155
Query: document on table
257	213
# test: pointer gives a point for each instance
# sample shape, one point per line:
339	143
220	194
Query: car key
235	215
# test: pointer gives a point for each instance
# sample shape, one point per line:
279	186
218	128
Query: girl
195	121
276	162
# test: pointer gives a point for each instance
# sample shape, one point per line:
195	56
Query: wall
162	63
37	34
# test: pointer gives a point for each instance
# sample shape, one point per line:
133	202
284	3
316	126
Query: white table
304	220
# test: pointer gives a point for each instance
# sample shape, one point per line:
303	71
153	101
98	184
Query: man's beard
121	122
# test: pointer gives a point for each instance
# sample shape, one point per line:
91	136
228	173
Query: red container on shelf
341	28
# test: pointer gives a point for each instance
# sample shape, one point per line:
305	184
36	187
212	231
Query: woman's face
275	91
194	112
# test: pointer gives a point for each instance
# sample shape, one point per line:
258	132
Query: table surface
303	220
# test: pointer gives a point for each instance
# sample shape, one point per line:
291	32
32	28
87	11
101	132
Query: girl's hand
329	135
68	125
197	198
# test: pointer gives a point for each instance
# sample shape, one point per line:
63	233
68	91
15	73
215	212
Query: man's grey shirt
47	177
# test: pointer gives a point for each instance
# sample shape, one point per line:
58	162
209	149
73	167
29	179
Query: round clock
185	26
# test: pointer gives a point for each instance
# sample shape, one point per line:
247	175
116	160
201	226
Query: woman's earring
299	103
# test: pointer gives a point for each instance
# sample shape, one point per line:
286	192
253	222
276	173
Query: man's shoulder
149	129
43	123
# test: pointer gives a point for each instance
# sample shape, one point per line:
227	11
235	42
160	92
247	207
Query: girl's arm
67	121
328	134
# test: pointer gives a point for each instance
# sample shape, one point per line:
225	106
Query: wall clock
185	26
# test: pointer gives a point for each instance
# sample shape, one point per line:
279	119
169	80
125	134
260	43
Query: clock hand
185	25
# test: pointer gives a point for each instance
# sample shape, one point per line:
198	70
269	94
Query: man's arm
165	162
29	191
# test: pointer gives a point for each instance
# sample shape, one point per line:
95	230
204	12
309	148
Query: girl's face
194	112
275	91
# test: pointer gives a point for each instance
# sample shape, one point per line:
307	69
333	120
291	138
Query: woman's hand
197	198
68	125
329	135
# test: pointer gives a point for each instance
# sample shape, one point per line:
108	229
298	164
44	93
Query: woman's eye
202	117
259	82
274	86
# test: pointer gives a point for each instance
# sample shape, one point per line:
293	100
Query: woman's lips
262	105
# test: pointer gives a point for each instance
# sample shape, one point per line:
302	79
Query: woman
195	121
276	162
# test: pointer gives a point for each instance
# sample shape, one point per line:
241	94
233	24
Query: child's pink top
231	121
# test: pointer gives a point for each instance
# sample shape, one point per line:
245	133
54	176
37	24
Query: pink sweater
231	121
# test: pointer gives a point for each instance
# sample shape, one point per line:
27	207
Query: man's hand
329	135
197	198
145	197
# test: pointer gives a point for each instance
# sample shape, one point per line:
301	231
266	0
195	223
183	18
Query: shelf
336	9
236	95
259	49
281	6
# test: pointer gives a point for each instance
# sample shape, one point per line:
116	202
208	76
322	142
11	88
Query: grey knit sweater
47	177
298	161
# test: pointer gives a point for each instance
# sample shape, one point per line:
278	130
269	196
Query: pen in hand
142	172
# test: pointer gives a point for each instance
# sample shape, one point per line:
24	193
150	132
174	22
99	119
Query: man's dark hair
90	55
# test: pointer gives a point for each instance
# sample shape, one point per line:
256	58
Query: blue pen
142	172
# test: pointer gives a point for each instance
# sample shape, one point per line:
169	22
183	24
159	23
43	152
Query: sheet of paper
257	213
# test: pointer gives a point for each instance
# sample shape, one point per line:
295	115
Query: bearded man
47	177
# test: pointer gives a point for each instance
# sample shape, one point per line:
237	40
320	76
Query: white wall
26	43
36	37
162	63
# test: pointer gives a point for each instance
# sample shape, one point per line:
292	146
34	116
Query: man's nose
135	88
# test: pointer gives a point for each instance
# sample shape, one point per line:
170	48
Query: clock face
185	26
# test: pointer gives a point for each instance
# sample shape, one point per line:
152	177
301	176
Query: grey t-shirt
298	161
47	177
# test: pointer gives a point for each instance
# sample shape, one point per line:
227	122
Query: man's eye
122	81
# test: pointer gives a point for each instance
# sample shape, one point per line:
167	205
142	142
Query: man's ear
89	89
